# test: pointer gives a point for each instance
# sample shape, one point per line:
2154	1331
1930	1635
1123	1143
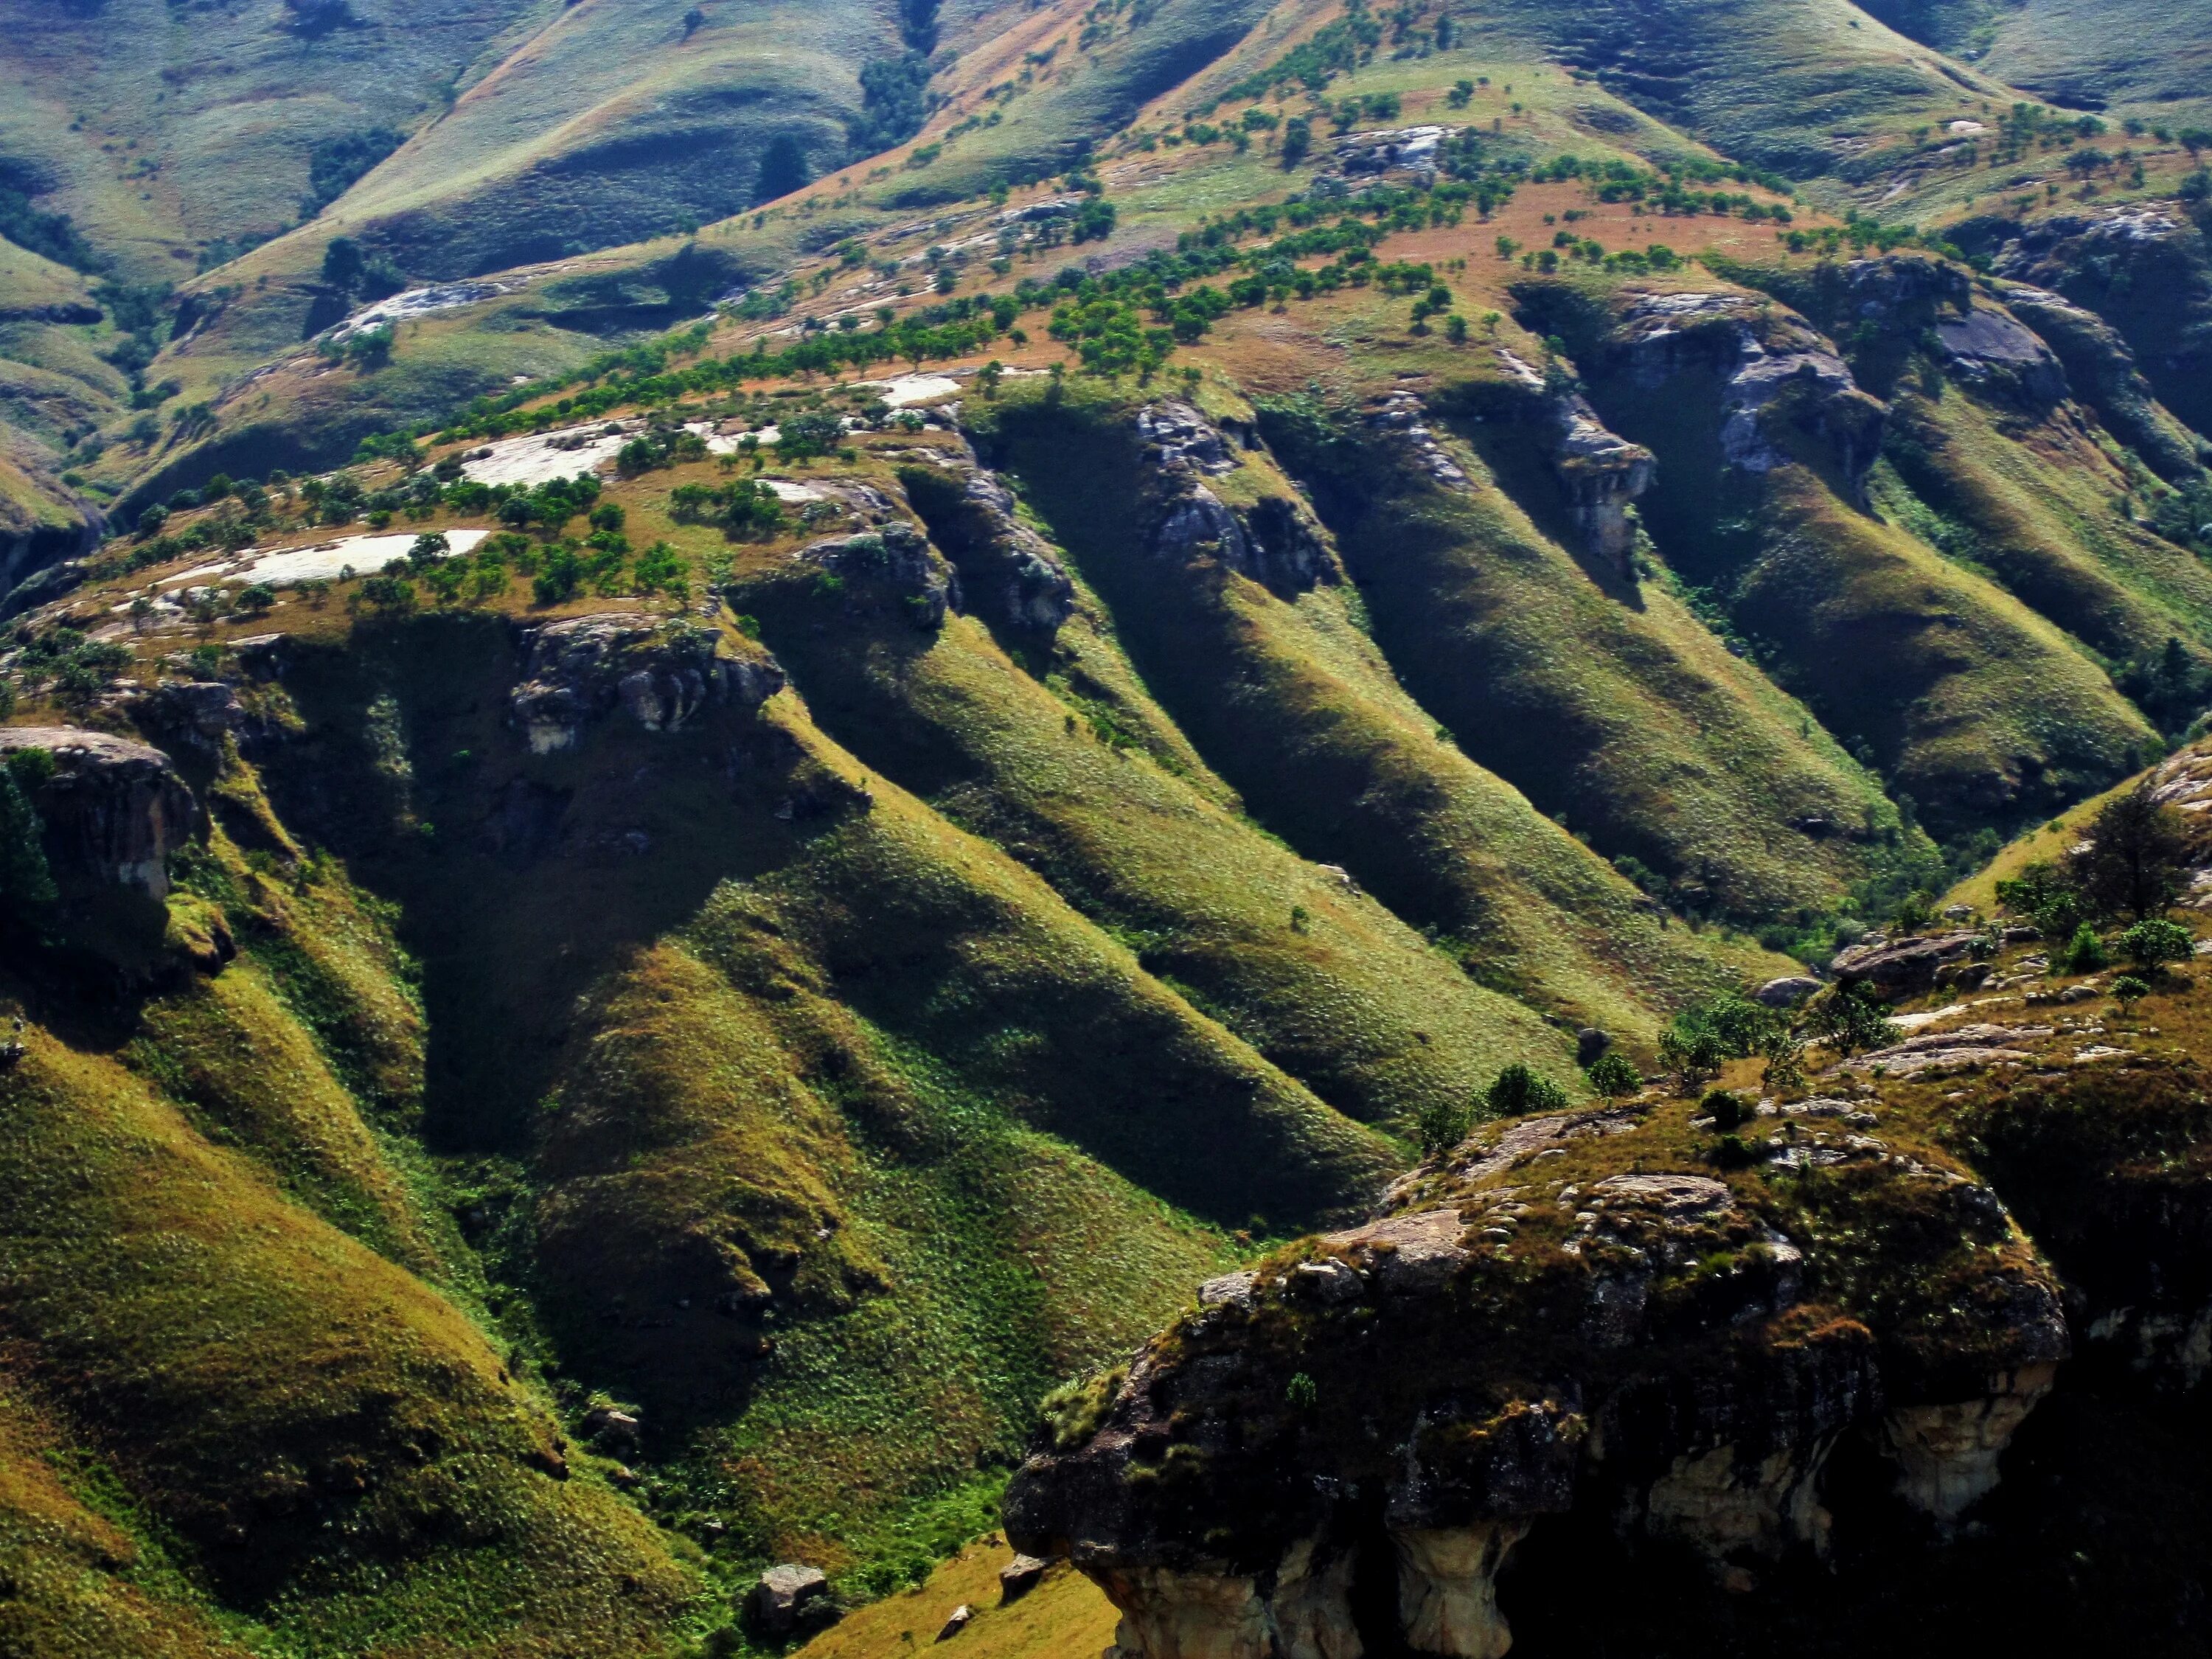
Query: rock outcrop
1600	472
1908	966
662	672
1785	392
1274	539
1334	1453
2102	372
112	809
892	566
1007	570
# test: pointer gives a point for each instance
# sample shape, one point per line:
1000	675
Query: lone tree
2133	862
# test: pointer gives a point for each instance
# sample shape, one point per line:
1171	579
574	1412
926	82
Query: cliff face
1571	1313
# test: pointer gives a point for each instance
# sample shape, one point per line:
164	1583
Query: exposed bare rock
1676	1353
661	673
114	809
1601	472
1403	415
1960	1049
894	566
1174	434
2101	371
1786	992
1274	540
1008	572
1904	966
1946	1453
1777	372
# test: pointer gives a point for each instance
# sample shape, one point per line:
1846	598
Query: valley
727	736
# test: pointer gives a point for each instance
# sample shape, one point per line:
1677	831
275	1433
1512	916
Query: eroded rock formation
662	674
112	809
1272	539
1550	1319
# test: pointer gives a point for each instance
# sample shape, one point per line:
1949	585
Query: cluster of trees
606	564
744	507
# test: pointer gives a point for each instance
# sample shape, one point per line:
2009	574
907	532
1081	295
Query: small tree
2152	942
1612	1076
1442	1125
2127	991
1517	1090
1850	1018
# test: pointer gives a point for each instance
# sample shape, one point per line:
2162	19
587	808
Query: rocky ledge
1593	1313
663	673
112	809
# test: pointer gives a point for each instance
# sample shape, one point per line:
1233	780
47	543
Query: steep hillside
725	731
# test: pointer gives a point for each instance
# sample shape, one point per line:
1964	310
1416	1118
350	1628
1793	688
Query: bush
1517	1090
2084	953
1612	1076
1726	1109
2128	990
1442	1126
2152	942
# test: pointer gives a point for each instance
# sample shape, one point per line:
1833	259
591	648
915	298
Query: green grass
1606	702
1328	985
1965	700
1293	702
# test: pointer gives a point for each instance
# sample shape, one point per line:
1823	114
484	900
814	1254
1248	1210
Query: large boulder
1904	967
789	1599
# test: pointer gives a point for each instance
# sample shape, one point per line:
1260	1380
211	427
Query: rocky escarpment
2144	268
112	810
662	674
1783	394
1600	473
1336	1453
2101	370
1007	571
1272	539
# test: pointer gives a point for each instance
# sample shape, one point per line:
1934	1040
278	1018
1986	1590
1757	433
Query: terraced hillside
725	732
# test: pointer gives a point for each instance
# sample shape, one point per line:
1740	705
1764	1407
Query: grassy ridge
80	1585
253	1374
1980	710
1327	984
1300	710
1615	711
2037	510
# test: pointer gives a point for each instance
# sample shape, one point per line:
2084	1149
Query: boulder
1904	967
956	1621
789	1599
1020	1576
1787	991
